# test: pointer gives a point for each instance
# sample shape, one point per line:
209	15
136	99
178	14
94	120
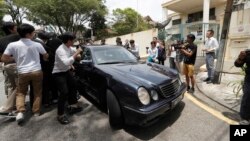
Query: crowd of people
39	63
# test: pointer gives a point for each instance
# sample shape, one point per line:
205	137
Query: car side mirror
86	62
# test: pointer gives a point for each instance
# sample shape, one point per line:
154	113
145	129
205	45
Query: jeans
66	85
210	64
24	80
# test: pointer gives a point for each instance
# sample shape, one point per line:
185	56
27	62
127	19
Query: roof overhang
189	6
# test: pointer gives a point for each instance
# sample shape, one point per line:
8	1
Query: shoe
244	122
191	90
74	109
188	88
20	117
63	119
3	111
37	114
207	79
209	82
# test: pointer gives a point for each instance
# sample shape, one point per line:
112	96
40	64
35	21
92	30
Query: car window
113	55
86	55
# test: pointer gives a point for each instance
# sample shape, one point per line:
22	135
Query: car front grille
170	89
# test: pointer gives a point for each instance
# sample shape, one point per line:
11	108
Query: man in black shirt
189	51
244	58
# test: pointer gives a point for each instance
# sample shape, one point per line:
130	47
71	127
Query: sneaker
191	90
206	80
4	111
37	114
63	119
209	82
20	117
244	122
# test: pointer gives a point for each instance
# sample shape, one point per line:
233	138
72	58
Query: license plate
176	101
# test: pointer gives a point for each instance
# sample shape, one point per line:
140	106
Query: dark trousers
245	102
49	88
66	86
161	61
172	63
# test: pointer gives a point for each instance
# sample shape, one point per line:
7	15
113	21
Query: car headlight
154	95
143	96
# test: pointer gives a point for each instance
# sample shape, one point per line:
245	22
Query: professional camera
247	51
180	46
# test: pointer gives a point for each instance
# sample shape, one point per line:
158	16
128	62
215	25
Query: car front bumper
145	116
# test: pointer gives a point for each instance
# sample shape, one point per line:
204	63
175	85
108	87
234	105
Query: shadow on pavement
149	132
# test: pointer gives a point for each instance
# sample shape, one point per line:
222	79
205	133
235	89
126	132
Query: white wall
142	39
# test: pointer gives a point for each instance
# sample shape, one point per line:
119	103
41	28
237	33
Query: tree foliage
127	21
66	15
16	12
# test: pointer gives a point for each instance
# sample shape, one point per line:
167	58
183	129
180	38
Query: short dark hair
211	31
65	37
118	39
25	29
43	35
7	26
191	36
153	42
132	41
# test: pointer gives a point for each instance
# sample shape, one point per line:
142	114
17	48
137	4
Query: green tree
97	24
128	21
65	15
17	13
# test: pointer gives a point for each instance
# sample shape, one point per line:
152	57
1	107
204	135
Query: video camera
247	51
179	46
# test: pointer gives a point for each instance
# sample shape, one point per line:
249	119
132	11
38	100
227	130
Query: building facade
197	16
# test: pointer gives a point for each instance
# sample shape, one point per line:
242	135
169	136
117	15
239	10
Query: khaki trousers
22	88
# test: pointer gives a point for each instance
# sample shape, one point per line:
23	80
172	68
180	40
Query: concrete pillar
206	7
164	14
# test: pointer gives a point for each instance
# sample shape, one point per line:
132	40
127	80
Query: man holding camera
189	51
244	58
211	45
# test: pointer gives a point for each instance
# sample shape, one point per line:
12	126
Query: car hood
151	74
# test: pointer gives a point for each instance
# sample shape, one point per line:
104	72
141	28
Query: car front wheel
114	111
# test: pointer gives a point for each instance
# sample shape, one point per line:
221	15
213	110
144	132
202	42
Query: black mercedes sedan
131	92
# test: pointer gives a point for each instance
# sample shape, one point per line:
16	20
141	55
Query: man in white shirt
65	82
134	48
25	53
211	45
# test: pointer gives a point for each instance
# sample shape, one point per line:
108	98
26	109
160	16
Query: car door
84	74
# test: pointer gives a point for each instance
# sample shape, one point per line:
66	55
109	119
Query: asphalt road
187	122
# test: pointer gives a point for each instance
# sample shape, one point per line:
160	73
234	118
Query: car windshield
113	55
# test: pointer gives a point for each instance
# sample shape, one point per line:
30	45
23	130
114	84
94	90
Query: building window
176	22
198	16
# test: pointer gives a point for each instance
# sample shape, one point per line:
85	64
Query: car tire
114	111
